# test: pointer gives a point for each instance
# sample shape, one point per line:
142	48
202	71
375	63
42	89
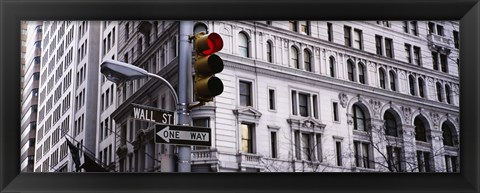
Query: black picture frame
12	12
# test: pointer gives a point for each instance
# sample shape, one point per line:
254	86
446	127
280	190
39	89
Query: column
409	149
437	150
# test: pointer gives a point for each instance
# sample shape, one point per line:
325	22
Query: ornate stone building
305	96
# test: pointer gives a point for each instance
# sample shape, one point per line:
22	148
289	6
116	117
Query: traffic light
206	65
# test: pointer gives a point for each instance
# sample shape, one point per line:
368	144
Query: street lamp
119	72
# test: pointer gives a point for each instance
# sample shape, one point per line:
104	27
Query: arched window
332	66
361	73
350	69
393	82
420	132
390	124
381	75
199	27
269	51
294	57
448	94
243	47
411	82
307	60
358	118
439	92
447	135
421	90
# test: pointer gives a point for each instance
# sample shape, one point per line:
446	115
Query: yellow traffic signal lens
208	65
209	87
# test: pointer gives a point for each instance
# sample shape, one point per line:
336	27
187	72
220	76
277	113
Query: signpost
146	113
183	135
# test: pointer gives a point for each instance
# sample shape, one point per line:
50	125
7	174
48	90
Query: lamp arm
172	90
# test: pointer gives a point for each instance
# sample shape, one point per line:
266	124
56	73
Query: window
362	154
443	62
378	44
447	135
303	104
358	39
420	88
420	132
413	27
307	147
451	163
245	93
269	52
431	28
439	92
423	161
390	124
292	26
408	52
338	151
243	47
347	36
332	66
199	27
435	60
273	144
247	138
335	111
201	122
381	74
361	73
305	27
307	60
389	47
392	81
350	69
173	48
440	30
411	83
330	32
271	99
416	55
447	94
294	58
359	122
455	39
394	159
306	104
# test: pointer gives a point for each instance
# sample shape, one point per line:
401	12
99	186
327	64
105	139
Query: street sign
183	135
146	113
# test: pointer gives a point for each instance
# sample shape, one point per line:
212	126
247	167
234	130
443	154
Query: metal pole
184	56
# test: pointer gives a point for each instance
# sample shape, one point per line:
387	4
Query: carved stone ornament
343	99
435	119
376	107
407	113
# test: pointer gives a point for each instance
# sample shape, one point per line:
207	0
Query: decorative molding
407	114
376	107
435	119
343	99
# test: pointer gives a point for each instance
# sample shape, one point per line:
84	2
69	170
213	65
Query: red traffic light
208	44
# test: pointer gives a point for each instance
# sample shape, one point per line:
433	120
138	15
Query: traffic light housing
206	65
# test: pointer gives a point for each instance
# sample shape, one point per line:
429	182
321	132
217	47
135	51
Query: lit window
247	138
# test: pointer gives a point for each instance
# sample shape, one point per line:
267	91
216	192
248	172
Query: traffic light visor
210	44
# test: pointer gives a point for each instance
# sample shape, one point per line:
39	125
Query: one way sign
183	135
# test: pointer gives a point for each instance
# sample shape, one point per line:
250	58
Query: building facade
68	93
30	52
299	96
306	96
